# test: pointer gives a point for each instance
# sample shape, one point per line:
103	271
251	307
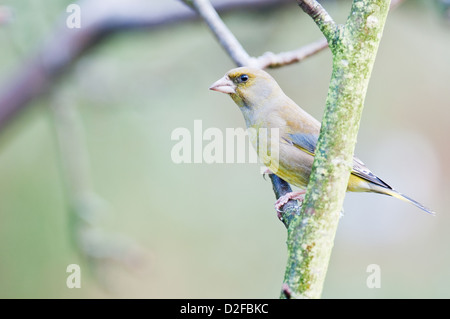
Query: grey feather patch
360	170
308	142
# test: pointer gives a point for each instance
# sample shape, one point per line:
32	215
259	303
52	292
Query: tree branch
236	51
272	60
324	21
311	235
321	17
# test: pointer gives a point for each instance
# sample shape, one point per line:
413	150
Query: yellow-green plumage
264	105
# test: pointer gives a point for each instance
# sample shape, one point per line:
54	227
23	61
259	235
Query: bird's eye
243	78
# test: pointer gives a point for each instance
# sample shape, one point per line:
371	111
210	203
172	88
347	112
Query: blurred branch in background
6	15
54	58
86	207
100	19
444	7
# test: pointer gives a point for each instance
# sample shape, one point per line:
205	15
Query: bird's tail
394	193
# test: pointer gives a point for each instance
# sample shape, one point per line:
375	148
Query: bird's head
248	87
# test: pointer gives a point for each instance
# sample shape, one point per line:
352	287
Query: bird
264	105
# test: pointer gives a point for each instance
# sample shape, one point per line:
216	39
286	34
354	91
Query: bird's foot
287	197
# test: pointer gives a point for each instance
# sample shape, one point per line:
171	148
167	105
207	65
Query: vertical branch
86	207
311	235
83	202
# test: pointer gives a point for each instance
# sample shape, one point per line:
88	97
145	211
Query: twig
221	31
236	51
320	16
272	60
324	21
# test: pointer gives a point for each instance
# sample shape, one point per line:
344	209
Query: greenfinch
264	105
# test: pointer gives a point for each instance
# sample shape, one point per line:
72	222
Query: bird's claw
286	198
265	172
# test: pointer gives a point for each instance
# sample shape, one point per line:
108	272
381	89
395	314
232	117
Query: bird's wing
303	141
360	170
307	143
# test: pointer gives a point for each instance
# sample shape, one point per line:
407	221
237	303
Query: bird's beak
224	85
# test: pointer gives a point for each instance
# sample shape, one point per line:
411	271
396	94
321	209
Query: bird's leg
287	197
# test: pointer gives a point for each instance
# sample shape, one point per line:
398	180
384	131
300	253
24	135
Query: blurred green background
210	230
